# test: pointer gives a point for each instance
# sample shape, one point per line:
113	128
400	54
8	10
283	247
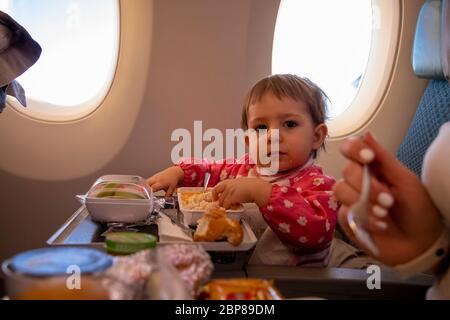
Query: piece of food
199	200
121	243
129	277
119	195
115	190
192	262
215	225
239	289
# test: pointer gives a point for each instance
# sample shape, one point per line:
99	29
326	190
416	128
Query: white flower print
288	204
318	181
303	240
284	227
193	176
312	174
332	203
223	175
329	192
297	179
302	221
317	203
306	201
284	183
270	208
320	240
299	190
284	189
327	225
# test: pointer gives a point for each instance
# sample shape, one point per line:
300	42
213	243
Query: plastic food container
42	268
118	198
193	214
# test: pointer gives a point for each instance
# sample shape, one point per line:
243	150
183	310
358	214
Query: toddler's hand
242	190
166	180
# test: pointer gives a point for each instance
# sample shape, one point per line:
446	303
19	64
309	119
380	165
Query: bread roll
215	225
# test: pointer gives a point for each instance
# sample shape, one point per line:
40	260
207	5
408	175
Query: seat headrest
431	51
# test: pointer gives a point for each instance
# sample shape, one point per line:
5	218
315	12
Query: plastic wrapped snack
167	272
239	289
128	278
192	262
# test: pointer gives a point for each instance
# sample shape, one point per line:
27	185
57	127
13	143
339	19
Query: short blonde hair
293	87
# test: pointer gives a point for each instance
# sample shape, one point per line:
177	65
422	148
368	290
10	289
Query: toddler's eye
290	124
261	127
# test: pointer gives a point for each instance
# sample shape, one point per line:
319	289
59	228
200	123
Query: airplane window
80	41
326	41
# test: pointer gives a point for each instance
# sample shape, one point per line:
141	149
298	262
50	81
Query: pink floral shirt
301	211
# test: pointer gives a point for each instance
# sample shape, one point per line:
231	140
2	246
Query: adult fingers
345	193
367	150
379	193
379	218
355	149
343	222
377	225
387	164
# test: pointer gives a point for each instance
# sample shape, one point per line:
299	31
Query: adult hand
404	222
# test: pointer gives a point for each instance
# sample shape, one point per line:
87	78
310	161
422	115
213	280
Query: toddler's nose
274	136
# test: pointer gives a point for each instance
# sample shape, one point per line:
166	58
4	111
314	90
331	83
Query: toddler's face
297	133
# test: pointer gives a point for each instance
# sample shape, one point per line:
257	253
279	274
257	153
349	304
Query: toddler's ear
320	133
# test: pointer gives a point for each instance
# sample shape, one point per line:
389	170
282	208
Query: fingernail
385	199
381	225
379	211
367	154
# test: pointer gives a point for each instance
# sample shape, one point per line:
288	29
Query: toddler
296	201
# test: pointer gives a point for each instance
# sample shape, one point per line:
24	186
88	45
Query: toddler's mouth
276	153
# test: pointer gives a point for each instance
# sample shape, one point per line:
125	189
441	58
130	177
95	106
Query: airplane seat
430	60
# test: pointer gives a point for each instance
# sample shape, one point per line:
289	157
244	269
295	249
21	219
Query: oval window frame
46	112
376	80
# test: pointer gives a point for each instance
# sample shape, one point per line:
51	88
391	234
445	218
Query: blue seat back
430	60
